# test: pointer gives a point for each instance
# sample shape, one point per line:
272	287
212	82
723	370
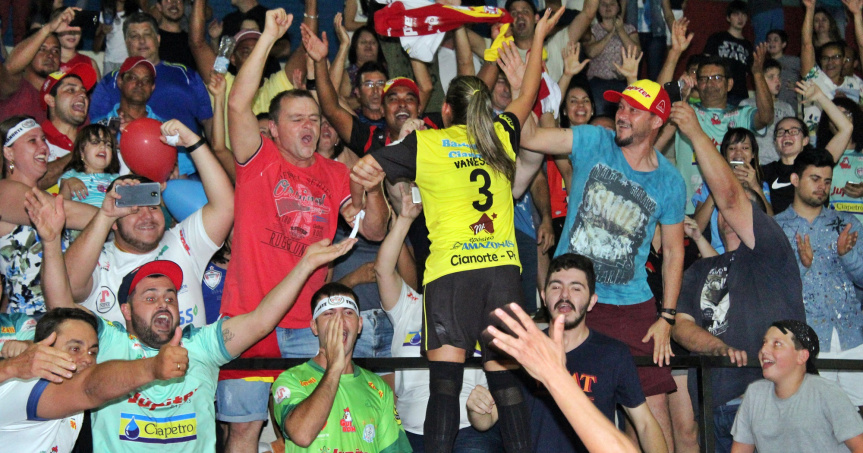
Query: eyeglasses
714	77
374	84
794	131
836	57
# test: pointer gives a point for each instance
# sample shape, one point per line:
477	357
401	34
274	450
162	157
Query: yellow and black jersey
468	205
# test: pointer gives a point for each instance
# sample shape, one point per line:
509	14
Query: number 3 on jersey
476	174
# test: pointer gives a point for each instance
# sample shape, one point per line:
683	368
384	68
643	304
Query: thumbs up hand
173	359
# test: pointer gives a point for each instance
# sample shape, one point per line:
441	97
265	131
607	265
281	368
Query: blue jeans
376	339
468	440
654	53
723	420
297	343
598	87
766	21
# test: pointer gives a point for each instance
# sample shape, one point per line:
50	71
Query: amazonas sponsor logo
487	245
168	430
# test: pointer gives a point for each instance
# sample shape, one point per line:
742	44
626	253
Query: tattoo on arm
227	335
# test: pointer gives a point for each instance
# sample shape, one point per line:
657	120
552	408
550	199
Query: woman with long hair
25	162
825	28
609	35
465	176
740	150
365	47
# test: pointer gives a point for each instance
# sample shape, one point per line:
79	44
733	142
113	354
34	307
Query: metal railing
703	366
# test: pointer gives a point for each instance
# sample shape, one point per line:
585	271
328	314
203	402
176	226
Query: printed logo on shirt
859	172
212	278
147	403
105	300
380	392
309	382
483	224
298	208
9	329
457	245
611	224
168	430
396	414
369	433
281	394
347	422
183	241
845	164
413	339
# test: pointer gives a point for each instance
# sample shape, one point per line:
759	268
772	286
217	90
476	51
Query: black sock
512	410
442	413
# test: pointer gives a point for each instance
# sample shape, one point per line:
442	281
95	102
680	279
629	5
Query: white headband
20	129
332	302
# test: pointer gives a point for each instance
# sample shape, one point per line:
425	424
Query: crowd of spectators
308	207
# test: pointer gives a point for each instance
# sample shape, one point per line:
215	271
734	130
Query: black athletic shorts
458	307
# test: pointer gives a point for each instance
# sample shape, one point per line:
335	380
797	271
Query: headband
20	129
332	302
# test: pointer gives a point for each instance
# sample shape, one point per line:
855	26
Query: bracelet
311	85
310	17
670	311
196	145
671	321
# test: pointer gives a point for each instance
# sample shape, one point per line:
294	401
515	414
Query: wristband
670	311
310	17
196	145
671	321
311	85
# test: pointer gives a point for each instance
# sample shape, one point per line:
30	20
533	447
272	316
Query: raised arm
241	119
424	82
545	360
241	332
807	45
218	213
101	383
317	49
463	53
856	9
728	193
83	254
217	87
201	51
679	43
46	213
763	96
337	68
571	65
811	93
26	50
387	276
522	105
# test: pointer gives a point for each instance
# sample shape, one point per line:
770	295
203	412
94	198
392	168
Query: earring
11	167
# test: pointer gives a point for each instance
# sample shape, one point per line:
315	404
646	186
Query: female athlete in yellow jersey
465	175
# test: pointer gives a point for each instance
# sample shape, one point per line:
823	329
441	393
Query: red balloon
144	153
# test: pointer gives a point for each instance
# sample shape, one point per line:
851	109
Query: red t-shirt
78	58
280	210
556	189
24	101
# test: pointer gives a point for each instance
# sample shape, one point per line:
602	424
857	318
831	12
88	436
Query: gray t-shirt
819	417
790	75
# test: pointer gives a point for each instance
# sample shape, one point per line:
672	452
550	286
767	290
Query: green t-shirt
16	326
176	415
363	418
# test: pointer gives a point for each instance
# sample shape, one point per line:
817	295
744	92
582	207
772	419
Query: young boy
781	109
793	409
733	46
777	41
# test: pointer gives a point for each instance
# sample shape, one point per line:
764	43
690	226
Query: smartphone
415	195
85	19
146	194
673	89
737	163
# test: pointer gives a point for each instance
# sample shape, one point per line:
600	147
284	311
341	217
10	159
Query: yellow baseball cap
644	95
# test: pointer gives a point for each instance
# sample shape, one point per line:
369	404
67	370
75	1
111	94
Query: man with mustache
29	63
64	95
601	365
173	40
830	265
96	268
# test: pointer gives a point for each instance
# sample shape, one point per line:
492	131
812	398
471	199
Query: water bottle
226	48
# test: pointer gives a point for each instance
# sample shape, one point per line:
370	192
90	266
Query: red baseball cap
83	71
644	95
402	82
131	62
165	268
